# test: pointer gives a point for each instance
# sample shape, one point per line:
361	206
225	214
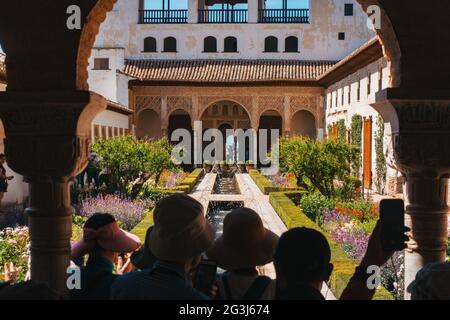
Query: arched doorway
303	123
225	115
180	119
148	125
269	120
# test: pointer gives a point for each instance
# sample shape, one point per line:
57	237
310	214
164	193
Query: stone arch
389	42
303	123
178	119
206	102
225	111
148	124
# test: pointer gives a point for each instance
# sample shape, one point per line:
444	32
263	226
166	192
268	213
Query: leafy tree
125	158
316	164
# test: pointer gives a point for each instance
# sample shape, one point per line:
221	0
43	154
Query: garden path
253	198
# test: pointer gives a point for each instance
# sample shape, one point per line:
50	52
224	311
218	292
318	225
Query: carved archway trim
389	42
88	34
148	103
207	101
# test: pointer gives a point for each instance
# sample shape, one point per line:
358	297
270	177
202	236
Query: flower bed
15	248
126	211
344	266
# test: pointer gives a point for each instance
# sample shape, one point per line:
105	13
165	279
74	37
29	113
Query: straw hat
245	242
143	258
109	237
181	230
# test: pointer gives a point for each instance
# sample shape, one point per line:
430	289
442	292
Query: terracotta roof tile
226	70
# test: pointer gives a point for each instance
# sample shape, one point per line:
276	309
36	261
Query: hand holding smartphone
392	216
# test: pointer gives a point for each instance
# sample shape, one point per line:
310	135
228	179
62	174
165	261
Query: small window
349	94
230	44
380	79
369	83
348	9
271	44
170	44
358	91
341	36
210	44
291	44
101	64
149	44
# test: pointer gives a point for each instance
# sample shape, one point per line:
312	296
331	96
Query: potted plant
249	165
207	166
241	166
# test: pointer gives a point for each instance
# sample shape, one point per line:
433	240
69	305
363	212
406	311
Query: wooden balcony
223	16
163	16
283	16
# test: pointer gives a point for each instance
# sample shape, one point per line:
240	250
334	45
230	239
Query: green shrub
265	185
320	162
141	229
314	204
344	267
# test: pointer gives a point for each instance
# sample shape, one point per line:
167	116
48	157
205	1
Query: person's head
302	257
2	158
103	236
245	243
181	232
143	258
431	282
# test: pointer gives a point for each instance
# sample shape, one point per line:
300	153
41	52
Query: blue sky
271	4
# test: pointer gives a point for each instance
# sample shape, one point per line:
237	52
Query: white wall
317	40
345	111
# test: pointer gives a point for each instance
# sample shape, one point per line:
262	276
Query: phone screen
392	215
205	276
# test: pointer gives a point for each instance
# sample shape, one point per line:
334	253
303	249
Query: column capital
48	134
420	126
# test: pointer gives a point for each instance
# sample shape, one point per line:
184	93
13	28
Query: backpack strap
257	289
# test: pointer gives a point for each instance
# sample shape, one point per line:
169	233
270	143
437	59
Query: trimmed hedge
344	267
190	181
141	229
265	185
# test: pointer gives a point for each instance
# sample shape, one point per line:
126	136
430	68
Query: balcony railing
163	16
284	16
223	16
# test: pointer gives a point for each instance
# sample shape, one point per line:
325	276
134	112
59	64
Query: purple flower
128	212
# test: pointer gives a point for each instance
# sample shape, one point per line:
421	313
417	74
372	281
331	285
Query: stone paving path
253	198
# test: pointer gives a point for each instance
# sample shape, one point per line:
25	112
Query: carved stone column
421	141
47	141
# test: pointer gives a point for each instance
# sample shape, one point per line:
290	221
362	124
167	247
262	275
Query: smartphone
392	216
205	276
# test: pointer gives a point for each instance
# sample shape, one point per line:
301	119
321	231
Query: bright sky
271	4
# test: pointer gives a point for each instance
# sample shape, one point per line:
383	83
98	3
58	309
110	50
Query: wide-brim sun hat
181	230
143	258
109	237
245	242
